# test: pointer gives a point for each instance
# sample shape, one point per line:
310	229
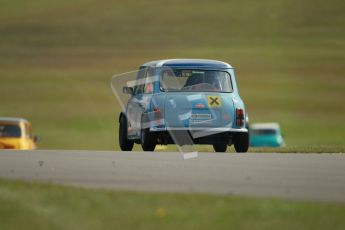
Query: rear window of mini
195	80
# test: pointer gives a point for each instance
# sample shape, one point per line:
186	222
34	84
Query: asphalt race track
299	176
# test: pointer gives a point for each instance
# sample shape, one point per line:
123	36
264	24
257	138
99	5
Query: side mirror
37	139
127	90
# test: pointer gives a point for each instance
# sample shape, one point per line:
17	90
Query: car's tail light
239	117
157	115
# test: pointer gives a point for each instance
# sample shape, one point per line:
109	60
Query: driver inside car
213	80
200	81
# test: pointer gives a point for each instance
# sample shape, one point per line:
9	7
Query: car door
140	101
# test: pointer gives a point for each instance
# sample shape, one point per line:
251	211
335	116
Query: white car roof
272	125
12	119
190	62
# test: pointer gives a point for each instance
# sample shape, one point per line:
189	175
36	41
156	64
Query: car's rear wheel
148	143
125	144
241	142
220	147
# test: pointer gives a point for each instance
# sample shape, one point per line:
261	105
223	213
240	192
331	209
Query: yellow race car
16	133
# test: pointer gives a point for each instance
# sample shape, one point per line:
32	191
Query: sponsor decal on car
214	101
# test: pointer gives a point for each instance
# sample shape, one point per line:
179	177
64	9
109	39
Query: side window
148	88
139	87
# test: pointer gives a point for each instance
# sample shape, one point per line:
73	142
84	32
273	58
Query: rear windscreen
187	80
264	131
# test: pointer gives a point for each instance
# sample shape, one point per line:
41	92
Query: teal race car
266	135
184	102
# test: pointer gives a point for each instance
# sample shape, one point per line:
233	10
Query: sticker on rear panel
214	101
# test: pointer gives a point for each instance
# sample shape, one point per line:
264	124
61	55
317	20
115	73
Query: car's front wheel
241	142
125	144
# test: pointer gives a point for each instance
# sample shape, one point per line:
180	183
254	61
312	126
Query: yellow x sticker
214	101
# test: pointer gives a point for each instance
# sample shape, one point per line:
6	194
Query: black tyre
241	142
125	144
148	143
220	147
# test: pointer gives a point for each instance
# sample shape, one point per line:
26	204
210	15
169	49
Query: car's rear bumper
197	135
200	129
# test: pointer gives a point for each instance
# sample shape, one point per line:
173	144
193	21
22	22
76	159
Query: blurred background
57	58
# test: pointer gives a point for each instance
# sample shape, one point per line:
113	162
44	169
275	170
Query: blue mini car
175	101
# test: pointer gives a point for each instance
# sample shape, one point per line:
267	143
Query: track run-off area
294	176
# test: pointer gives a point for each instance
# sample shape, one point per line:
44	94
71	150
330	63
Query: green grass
45	206
292	149
57	58
301	149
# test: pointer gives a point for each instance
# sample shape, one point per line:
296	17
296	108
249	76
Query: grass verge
46	206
